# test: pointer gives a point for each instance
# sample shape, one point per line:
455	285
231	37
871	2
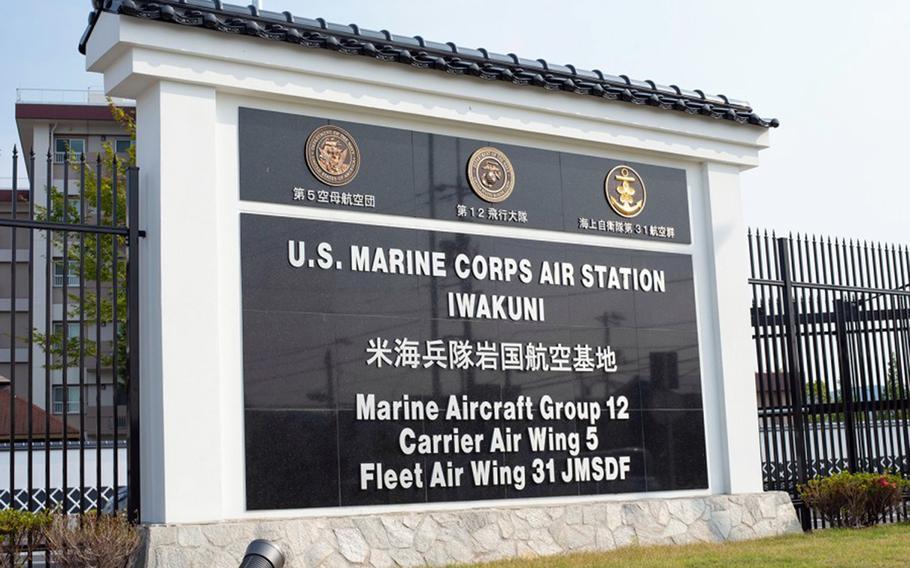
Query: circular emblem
332	155
491	175
625	191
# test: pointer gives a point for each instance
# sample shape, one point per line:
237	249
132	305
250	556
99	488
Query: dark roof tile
231	9
468	52
305	22
587	75
417	52
405	41
665	90
436	46
268	15
371	35
529	64
554	68
338	28
498	58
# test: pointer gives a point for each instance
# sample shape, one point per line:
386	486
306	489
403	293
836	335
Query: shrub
853	499
92	539
20	531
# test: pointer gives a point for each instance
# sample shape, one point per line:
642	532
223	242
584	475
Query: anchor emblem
332	155
625	191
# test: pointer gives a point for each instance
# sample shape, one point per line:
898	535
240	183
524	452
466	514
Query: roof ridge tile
418	52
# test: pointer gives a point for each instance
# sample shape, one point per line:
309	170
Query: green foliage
91	539
893	388
854	499
20	532
817	392
93	254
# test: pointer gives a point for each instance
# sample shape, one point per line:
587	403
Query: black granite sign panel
385	365
402	172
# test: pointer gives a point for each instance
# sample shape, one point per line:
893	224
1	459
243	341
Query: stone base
475	535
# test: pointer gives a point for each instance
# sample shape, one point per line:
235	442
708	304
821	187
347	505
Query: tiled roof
417	52
42	423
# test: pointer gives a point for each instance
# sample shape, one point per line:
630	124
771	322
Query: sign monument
388	311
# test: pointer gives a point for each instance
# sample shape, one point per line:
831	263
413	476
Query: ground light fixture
262	554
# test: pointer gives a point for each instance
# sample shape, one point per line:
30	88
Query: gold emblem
491	175
625	191
332	155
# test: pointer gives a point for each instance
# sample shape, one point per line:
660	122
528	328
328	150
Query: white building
50	122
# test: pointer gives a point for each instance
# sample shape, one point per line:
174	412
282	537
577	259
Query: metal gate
831	324
68	409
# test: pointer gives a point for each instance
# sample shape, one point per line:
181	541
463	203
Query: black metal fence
69	348
831	324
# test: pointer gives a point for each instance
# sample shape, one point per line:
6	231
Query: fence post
134	472
843	310
795	376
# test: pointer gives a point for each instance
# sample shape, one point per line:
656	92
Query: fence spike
15	152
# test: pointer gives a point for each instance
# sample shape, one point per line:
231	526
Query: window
72	329
72	276
76	146
122	145
72	400
73	207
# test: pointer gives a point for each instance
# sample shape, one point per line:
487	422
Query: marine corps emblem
491	175
332	155
625	191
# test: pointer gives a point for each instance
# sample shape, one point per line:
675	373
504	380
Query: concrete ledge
475	535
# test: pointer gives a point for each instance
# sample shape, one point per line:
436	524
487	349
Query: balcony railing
6	182
68	97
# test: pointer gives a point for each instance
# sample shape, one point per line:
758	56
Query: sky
835	73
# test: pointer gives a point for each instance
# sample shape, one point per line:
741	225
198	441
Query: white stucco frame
188	85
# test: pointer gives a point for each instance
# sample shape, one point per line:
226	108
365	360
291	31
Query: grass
887	545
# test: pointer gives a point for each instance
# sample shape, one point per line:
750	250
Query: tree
99	257
893	388
817	392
